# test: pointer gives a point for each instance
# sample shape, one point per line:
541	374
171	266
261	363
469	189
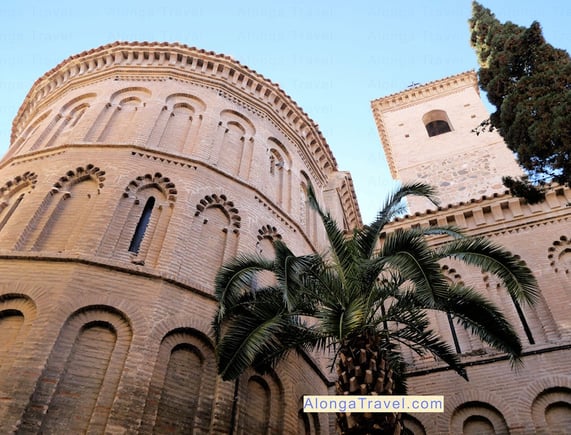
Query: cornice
110	264
491	358
177	59
494	215
428	90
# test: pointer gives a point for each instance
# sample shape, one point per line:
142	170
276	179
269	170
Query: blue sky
332	57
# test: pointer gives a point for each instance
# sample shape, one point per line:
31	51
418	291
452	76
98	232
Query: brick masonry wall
107	335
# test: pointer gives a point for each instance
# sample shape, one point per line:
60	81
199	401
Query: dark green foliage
529	83
523	188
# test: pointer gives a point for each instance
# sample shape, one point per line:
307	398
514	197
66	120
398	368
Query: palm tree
363	300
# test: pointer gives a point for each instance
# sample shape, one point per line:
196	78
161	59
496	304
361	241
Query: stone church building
136	169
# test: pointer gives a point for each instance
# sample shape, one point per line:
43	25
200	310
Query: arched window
64	219
11	196
307	423
435	128
233	143
261	405
477	418
142	226
215	230
257	409
177	125
141	220
514	309
181	397
17	313
436	123
97	338
123	110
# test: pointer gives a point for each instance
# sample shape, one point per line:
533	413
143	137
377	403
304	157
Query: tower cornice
428	90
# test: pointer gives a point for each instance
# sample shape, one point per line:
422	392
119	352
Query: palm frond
423	341
476	314
295	337
289	271
445	230
411	328
362	287
234	279
342	320
340	245
480	252
393	205
408	252
251	331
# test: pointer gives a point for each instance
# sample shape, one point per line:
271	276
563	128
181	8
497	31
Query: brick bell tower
426	135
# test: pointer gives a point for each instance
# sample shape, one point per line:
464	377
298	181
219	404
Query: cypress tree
529	83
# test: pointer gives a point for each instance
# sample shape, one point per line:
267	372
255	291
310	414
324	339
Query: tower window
435	128
142	226
436	122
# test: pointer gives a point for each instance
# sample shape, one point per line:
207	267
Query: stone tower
134	171
426	136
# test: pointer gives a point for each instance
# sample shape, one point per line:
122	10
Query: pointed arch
62	221
233	143
280	172
215	230
123	109
12	194
142	216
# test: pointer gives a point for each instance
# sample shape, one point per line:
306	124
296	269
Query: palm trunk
362	369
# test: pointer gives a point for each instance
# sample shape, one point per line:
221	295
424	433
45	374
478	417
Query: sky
332	57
